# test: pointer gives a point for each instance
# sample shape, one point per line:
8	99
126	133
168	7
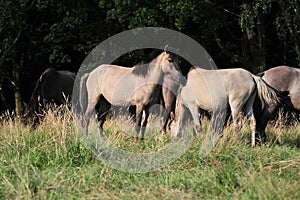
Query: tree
40	34
253	26
36	34
288	27
14	32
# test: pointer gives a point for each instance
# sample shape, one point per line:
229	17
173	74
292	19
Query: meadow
51	162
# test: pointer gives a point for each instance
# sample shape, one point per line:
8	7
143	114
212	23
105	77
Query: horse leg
102	112
92	100
261	117
144	124
218	121
168	101
165	118
264	119
236	108
250	115
196	120
86	118
172	117
101	120
139	113
253	129
235	119
132	112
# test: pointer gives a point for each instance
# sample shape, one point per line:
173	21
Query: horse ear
166	48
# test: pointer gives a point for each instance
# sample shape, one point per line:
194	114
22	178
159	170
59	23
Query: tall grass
51	162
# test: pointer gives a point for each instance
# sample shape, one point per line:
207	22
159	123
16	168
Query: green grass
50	162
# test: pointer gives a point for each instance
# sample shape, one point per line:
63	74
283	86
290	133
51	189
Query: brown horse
287	80
52	87
169	91
120	86
214	90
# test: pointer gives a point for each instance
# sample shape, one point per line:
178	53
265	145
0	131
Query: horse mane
141	69
192	68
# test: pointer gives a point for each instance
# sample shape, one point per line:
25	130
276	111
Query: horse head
169	63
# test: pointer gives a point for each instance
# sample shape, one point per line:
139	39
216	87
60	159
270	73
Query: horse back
283	78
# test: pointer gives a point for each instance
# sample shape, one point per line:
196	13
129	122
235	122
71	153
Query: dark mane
192	68
141	69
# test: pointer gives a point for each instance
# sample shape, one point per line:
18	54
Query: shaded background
37	34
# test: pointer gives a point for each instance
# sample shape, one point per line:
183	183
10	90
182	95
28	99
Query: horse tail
83	93
266	93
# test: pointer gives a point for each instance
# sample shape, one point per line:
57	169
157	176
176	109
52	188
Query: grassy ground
50	162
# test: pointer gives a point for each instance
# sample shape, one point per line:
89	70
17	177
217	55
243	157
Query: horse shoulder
187	95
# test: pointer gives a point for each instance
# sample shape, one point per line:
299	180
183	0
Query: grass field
50	162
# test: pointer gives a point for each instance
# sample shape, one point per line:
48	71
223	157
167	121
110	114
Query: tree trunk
254	47
261	50
16	76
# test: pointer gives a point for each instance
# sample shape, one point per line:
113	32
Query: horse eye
170	59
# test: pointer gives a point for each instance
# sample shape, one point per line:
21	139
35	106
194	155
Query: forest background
37	34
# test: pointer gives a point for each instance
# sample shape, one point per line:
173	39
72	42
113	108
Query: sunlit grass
52	162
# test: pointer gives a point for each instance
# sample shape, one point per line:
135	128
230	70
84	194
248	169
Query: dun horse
287	80
214	90
120	86
52	86
167	98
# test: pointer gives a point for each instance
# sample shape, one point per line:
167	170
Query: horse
167	98
287	80
214	90
169	92
52	87
138	86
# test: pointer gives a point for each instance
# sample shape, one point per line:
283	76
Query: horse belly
212	103
115	86
211	98
119	95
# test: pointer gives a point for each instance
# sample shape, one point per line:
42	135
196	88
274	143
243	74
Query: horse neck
156	73
33	106
38	97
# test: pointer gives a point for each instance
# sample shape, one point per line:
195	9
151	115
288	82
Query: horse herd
219	91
